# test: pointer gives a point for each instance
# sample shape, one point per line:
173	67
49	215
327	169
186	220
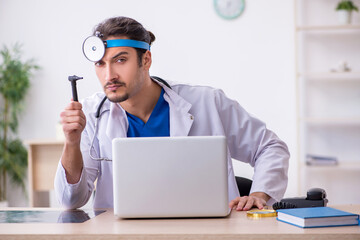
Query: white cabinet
328	94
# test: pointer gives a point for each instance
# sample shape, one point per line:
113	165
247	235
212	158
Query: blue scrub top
158	124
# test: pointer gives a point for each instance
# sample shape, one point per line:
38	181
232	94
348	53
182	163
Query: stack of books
316	160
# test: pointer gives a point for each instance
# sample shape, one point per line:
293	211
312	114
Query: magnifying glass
94	47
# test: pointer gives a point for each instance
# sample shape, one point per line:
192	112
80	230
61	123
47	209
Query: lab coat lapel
180	118
117	124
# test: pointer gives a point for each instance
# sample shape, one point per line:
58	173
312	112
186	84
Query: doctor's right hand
73	121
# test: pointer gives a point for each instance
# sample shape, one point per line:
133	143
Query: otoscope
73	80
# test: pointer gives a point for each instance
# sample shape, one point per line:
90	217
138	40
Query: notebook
317	217
170	177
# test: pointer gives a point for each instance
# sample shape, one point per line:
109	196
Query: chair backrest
244	185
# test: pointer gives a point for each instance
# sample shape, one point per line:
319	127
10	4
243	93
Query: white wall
250	58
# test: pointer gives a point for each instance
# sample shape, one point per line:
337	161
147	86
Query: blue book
317	217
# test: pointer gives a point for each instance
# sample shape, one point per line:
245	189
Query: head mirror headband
94	47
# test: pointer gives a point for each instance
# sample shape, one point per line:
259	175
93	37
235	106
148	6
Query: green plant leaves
14	160
14	75
347	5
14	84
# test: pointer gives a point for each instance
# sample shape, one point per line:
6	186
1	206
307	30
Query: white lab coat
194	111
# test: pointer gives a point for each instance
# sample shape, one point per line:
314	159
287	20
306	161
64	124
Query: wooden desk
236	226
43	159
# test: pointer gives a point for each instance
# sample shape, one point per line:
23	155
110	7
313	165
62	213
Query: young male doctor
140	106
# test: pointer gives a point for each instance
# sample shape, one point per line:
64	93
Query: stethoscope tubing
98	116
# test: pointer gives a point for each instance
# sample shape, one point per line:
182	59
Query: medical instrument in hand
73	80
94	47
98	116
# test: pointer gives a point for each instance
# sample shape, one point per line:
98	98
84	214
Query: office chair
244	185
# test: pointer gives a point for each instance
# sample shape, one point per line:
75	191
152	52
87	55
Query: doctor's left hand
256	199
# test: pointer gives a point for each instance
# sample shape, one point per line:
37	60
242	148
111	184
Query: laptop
170	177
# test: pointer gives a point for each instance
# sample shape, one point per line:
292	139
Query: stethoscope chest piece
93	48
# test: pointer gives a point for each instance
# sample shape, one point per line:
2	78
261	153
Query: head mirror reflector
94	47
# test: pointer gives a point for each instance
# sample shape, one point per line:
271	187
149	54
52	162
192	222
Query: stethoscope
94	50
97	119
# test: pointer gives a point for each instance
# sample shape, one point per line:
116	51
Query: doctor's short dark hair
126	27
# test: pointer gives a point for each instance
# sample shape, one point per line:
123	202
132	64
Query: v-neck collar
153	113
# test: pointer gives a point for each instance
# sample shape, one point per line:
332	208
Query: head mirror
94	47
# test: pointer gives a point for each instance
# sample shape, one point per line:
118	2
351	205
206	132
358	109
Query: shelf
44	142
346	166
332	76
333	121
327	98
328	27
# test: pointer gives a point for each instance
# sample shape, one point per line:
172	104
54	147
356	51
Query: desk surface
236	226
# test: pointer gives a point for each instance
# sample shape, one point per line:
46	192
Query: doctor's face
120	74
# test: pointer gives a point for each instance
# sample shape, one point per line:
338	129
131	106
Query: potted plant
344	10
14	84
